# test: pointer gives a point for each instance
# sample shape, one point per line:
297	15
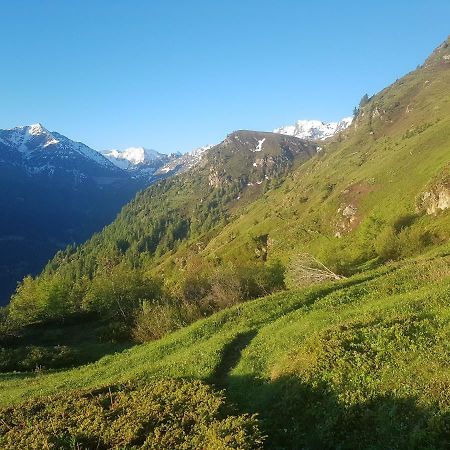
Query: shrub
119	292
153	321
162	415
387	245
408	241
33	357
38	299
202	292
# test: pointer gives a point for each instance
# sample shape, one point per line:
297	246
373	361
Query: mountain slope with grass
378	191
309	281
321	366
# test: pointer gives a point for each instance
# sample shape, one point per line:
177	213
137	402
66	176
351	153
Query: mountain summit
133	156
314	129
37	150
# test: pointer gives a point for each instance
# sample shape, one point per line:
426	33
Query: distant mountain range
314	129
53	192
56	191
150	164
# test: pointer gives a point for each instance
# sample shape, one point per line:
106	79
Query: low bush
202	292
36	358
162	415
153	321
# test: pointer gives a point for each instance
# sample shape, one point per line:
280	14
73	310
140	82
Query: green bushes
33	357
133	304
113	294
201	292
153	321
161	415
393	245
38	300
117	293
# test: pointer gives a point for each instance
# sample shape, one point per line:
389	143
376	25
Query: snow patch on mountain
259	146
36	129
132	156
186	161
314	129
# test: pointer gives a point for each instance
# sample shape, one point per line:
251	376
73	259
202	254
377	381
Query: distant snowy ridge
313	130
40	151
132	156
184	162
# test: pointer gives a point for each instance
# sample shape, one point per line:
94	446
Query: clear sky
173	75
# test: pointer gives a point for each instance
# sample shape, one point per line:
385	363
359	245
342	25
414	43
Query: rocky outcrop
435	200
437	195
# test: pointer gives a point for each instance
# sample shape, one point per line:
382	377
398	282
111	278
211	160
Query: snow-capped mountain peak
40	150
133	156
314	129
36	129
28	137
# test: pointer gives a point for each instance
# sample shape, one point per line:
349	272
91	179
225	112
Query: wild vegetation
322	366
317	299
162	414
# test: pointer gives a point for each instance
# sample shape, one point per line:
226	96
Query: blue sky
174	75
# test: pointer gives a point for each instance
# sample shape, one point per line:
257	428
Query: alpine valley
56	192
279	290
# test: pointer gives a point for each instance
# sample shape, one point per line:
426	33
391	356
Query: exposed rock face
348	214
348	220
437	196
215	179
435	200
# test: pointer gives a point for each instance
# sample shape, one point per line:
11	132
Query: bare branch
306	269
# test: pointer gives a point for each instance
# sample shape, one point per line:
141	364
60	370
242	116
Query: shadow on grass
230	358
295	415
77	340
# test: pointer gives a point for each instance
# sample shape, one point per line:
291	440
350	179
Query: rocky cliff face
436	199
437	196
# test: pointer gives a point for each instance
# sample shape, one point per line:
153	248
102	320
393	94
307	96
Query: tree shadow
295	415
57	344
230	358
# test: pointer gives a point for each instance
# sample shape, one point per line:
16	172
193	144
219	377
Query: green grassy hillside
323	366
362	185
359	362
363	197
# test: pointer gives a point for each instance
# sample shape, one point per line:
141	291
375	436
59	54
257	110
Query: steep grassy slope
364	184
359	199
359	363
322	366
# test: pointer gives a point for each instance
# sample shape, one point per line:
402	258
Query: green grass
321	363
359	363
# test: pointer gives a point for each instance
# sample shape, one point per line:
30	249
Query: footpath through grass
361	363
